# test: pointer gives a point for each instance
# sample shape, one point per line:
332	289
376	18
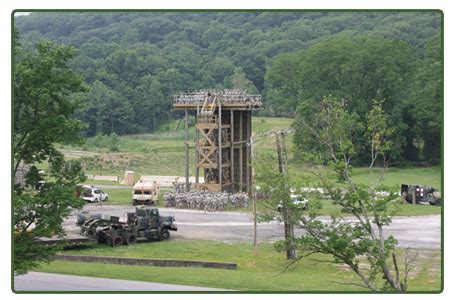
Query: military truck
143	224
420	194
145	192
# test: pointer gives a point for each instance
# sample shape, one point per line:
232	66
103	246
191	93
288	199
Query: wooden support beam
247	153
240	153
197	171
220	144
232	149
186	140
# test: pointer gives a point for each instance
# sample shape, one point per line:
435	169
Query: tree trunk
288	228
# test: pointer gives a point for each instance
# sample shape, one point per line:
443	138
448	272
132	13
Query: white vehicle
93	194
297	201
145	192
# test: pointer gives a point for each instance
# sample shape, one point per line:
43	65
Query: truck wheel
437	202
116	241
130	240
146	202
134	202
165	234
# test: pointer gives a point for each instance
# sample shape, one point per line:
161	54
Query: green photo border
231	11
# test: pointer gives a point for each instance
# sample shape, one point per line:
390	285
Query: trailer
141	225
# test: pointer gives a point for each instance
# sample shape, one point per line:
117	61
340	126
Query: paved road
416	232
34	281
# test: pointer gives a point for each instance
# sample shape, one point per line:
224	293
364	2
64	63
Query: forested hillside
134	63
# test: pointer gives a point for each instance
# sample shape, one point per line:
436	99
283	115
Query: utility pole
288	227
255	241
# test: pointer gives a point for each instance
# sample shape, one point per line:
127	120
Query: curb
147	262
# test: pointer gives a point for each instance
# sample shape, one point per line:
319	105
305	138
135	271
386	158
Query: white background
7	6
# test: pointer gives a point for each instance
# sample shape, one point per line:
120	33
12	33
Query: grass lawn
328	208
264	272
396	176
119	195
260	124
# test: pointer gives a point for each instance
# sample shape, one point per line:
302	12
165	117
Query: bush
111	142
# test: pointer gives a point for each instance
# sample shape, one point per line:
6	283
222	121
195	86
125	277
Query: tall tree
240	81
355	69
428	106
378	134
43	108
43	84
363	240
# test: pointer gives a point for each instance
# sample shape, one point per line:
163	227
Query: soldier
98	202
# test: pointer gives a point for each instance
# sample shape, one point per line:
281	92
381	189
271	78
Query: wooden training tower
223	127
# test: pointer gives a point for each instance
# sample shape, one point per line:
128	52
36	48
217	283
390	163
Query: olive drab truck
145	224
420	194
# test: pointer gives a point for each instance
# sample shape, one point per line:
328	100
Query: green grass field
264	272
404	209
119	196
328	209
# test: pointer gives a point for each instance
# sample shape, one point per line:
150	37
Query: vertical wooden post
186	141
232	149
196	147
280	167
240	152
284	152
248	152
220	145
253	195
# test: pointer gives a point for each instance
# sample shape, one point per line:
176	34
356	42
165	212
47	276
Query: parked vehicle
93	194
145	193
143	224
419	194
297	201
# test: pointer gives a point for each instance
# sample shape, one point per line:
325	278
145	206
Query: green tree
43	109
283	82
43	84
427	110
363	240
354	69
151	103
289	57
39	213
240	81
327	130
378	134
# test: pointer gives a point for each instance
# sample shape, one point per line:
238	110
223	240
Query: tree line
133	63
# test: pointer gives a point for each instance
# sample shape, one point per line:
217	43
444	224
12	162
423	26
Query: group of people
229	96
205	200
